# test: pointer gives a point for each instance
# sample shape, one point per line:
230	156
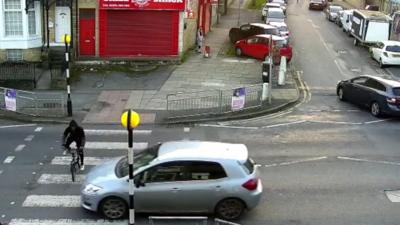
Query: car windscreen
141	159
273	31
276	14
335	9
280	43
393	48
396	91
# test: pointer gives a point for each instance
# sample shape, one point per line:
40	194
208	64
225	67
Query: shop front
140	28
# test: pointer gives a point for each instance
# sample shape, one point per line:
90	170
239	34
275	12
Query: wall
189	34
30	55
356	3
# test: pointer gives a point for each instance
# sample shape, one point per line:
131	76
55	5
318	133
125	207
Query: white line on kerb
112	145
29	137
65	222
38	129
376	121
367	160
19	148
296	161
115	132
1	171
9	159
20	125
284	124
225	126
60	179
52	201
91	161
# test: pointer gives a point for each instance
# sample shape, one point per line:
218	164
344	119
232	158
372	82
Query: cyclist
74	133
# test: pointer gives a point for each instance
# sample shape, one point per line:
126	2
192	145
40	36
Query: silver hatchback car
177	177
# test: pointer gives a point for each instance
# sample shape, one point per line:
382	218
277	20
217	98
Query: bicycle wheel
73	169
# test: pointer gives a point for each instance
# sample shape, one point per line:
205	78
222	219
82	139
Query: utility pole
271	63
67	41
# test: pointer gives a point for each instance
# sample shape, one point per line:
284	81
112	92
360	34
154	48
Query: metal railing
196	220
36	103
211	101
19	71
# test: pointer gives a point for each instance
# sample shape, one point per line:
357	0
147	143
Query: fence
36	104
211	101
187	220
18	71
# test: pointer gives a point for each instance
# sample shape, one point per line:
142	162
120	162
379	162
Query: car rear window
248	166
276	14
396	91
393	48
273	31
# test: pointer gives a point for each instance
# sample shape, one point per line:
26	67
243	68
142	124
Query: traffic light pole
130	161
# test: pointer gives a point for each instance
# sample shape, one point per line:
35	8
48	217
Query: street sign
238	98
10	97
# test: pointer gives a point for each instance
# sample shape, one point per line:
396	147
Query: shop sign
143	4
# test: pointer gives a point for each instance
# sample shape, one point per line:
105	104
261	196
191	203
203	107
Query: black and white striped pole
67	41
131	119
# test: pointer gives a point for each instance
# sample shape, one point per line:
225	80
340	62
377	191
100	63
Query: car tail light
251	184
385	54
394	101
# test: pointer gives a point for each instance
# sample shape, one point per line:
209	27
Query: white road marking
91	161
60	179
186	129
113	145
213	84
52	201
225	126
297	161
339	68
1	171
38	129
367	160
66	222
19	148
284	124
336	122
20	125
115	132
393	196
9	159
29	137
376	121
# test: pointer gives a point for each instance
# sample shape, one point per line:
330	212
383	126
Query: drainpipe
47	24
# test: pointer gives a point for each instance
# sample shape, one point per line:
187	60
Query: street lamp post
130	119
271	63
67	41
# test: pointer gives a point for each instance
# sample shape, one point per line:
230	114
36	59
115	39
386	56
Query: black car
251	29
380	95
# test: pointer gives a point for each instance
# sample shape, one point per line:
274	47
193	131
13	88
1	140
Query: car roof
274	37
275	9
335	6
391	42
202	150
278	24
387	82
273	4
262	25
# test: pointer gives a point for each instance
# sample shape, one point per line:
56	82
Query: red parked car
257	46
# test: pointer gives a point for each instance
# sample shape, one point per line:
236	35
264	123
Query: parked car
247	30
266	7
332	12
386	53
177	177
347	18
258	46
338	19
274	15
283	29
316	5
380	95
370	27
281	3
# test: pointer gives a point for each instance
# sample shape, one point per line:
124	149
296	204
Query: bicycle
75	164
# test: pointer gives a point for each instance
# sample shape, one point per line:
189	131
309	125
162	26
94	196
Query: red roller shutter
129	33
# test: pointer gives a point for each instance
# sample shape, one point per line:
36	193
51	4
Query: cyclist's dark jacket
78	135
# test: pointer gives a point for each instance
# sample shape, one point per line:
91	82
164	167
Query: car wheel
238	52
341	94
113	208
375	109
381	65
344	30
230	209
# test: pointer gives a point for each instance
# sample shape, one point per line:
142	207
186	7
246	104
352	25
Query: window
248	166
359	80
14	55
167	172
205	171
396	91
375	85
393	48
32	22
13	18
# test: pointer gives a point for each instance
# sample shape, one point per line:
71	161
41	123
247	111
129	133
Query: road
322	161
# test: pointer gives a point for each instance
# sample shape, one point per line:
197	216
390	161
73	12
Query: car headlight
91	189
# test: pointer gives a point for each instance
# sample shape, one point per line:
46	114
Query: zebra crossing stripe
115	132
60	179
65	222
90	161
70	201
112	145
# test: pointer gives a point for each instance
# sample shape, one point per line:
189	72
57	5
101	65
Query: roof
391	42
202	150
373	14
278	24
388	82
275	9
274	37
273	4
262	25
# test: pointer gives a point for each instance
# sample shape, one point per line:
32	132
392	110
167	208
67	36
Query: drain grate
393	196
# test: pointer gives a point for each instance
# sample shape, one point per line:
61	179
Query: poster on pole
238	98
10	97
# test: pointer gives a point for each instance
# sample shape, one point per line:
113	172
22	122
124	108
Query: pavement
99	97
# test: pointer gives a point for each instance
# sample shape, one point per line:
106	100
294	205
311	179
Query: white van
346	19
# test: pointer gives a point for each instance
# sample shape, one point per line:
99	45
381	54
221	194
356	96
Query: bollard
265	90
282	71
207	51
